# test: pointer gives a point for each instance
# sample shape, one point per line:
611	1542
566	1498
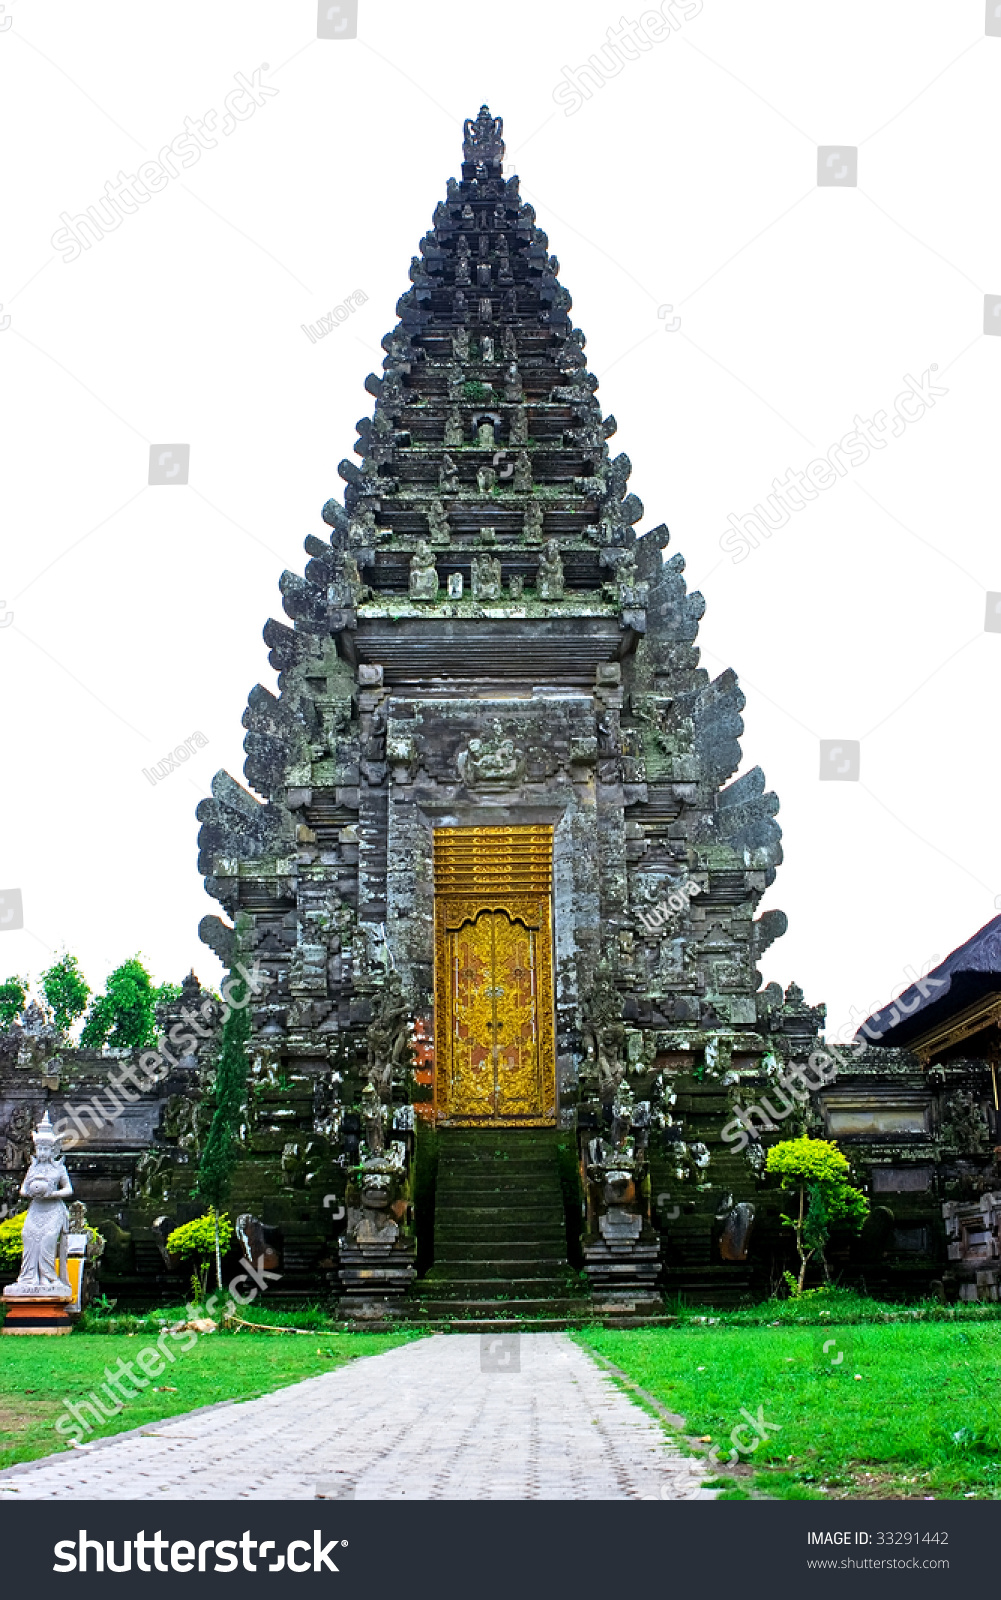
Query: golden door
494	1042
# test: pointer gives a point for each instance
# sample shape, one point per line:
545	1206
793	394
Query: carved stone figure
491	761
373	1118
550	579
737	1229
423	573
533	522
604	1034
448	475
388	1037
438	527
486	573
47	1187
482	140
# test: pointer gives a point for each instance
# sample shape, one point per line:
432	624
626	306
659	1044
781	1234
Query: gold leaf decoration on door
494	1040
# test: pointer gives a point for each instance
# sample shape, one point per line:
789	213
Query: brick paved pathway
421	1422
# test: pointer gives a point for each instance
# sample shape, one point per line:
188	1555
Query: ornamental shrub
200	1239
10	1241
816	1173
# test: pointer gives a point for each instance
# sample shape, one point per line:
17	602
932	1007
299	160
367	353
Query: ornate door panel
494	1044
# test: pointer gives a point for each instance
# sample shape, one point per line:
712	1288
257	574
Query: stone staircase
500	1243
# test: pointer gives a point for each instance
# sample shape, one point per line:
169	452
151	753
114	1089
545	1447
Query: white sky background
689	179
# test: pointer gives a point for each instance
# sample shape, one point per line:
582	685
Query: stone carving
15	1150
737	1229
32	1041
47	1187
493	760
373	1117
486	575
485	436
388	1038
454	431
482	140
423	573
549	583
438	528
604	1034
514	390
623	1261
448	473
455	586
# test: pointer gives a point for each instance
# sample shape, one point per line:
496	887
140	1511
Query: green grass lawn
911	1411
38	1376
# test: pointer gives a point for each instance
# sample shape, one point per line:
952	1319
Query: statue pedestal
38	1313
374	1279
623	1266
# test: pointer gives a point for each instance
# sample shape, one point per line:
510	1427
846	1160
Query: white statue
47	1186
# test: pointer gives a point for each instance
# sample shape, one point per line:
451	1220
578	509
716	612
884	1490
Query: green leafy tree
66	991
202	1239
816	1173
13	998
124	1016
215	1170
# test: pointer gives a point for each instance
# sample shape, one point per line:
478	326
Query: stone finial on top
482	140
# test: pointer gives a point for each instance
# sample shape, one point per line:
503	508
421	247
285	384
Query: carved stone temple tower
490	811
